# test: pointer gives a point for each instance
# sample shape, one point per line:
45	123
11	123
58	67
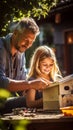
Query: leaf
4	93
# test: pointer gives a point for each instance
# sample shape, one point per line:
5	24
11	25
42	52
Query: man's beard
20	48
17	48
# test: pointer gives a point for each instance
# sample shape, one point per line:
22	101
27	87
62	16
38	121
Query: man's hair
27	23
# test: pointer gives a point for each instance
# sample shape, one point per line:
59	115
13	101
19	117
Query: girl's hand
48	82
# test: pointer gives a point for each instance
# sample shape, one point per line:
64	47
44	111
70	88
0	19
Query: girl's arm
30	99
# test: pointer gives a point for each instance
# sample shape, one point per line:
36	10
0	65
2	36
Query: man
12	59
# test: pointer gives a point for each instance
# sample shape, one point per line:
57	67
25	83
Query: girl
43	65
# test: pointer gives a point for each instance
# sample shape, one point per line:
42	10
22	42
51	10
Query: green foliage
14	124
4	94
16	9
20	125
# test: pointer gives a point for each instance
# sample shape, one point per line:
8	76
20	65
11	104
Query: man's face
23	41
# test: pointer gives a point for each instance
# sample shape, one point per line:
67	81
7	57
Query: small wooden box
59	94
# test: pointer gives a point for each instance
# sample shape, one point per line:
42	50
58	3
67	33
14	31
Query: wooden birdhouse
59	94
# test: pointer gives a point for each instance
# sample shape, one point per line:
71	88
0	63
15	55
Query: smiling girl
43	65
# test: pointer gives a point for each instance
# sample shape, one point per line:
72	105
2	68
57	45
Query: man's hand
39	84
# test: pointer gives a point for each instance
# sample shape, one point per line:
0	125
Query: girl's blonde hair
41	53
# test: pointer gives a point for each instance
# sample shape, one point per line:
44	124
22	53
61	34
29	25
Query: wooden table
41	121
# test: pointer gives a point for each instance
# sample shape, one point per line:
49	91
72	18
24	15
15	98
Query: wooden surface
39	117
39	121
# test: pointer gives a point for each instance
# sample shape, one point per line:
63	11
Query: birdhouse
58	94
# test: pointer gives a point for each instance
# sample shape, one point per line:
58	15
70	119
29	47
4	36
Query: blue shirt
10	67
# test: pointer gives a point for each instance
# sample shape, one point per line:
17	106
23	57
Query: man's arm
21	85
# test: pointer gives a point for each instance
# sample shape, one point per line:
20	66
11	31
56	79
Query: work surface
42	121
39	117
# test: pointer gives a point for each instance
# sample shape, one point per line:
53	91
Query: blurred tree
4	94
15	9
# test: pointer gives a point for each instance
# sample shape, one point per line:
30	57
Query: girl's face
46	65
